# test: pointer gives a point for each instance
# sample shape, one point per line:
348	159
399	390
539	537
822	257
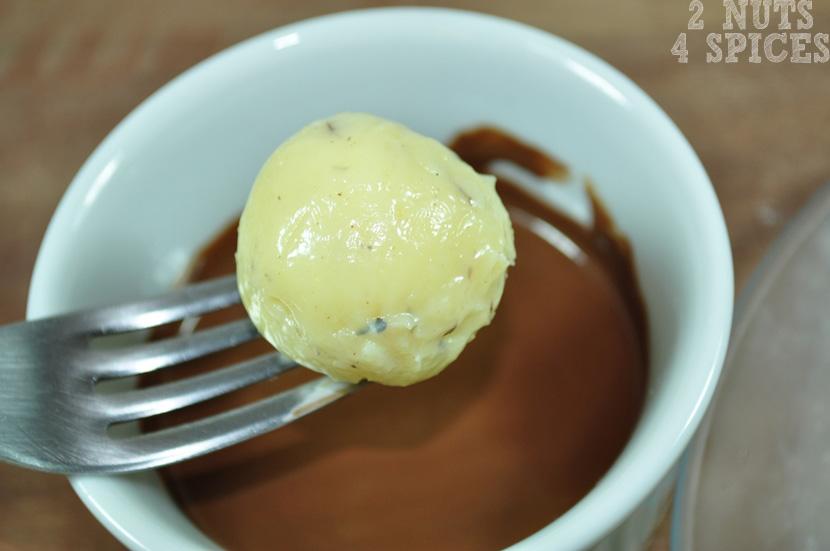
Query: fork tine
144	358
146	402
234	426
189	301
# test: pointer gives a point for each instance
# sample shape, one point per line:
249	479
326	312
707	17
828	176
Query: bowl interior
180	167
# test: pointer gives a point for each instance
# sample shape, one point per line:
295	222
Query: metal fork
52	418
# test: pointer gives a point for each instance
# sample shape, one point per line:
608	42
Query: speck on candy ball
368	251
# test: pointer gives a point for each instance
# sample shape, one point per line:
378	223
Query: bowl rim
584	524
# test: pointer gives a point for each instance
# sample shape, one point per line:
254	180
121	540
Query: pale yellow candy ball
368	251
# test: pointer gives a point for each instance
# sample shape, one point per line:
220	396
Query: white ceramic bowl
179	167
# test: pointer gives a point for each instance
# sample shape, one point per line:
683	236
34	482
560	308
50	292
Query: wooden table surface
69	71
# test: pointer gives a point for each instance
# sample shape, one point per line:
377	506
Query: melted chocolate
509	437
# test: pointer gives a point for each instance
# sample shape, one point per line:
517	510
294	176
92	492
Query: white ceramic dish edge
573	530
